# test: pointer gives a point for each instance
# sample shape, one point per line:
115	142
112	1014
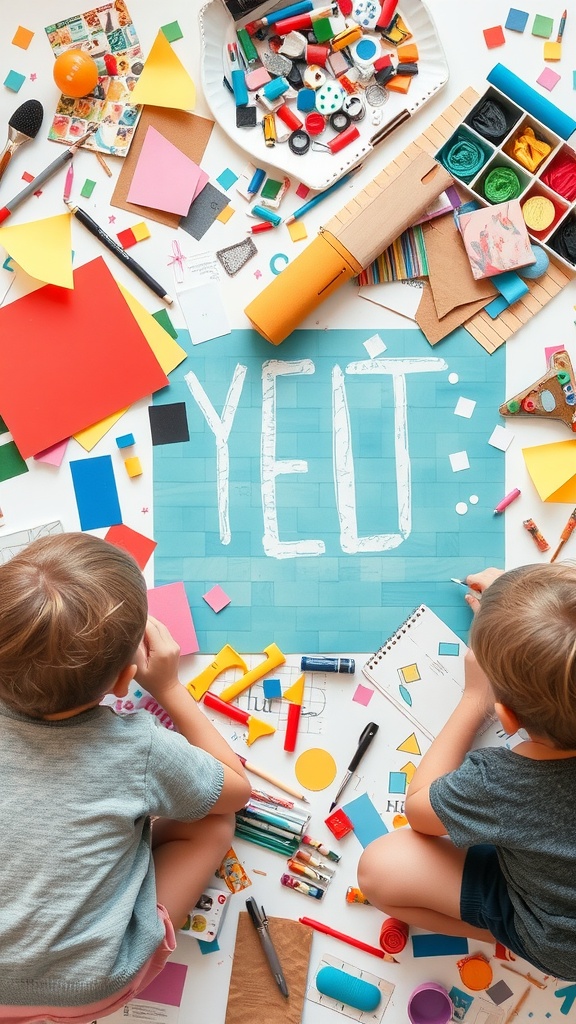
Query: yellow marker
226	658
273	659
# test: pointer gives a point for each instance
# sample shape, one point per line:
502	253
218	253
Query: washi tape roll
538	213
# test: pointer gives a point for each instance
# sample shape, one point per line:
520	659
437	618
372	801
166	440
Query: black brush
23	126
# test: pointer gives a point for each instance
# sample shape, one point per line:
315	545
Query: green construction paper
11	462
172	31
164	320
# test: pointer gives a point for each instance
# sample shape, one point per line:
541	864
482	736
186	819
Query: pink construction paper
167	986
165	178
548	79
363	695
217	598
170	604
203	180
53	455
551	349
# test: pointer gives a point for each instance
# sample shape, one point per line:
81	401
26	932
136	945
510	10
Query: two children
91	891
491	852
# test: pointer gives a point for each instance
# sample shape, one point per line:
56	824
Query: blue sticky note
227	178
449	650
368	824
516	20
14	81
397	782
438	945
96	494
208	947
272	688
125	441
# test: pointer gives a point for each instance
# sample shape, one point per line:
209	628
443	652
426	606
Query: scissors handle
363	744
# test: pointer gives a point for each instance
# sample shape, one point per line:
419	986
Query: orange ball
75	73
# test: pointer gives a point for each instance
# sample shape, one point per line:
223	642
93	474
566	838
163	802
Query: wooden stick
103	164
516	1009
528	976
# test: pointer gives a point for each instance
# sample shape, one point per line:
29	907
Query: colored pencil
272	779
375	950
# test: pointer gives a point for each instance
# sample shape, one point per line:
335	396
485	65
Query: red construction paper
71	357
136	544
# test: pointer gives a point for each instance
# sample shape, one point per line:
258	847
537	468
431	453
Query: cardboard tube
318	271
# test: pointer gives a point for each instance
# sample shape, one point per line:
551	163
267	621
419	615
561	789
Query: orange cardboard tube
303	284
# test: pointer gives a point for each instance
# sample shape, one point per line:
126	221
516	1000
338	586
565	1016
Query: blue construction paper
339	600
368	824
439	945
96	494
208	947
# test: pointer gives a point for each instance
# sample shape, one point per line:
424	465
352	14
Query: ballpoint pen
363	744
118	251
318	198
44	175
260	922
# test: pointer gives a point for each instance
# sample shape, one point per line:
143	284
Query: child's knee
380	867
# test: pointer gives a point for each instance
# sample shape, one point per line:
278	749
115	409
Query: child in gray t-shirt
491	853
91	891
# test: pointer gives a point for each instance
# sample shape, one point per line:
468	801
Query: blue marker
238	77
256	181
264	214
327	665
288	12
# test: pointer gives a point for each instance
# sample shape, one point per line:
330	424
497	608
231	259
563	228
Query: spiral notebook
420	669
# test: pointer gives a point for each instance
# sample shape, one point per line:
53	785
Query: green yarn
464	158
501	185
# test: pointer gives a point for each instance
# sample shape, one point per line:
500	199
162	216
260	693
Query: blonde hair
73	611
524	638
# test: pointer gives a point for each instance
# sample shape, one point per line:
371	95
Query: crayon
507	500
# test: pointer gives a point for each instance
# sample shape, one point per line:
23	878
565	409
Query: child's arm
449	748
157	659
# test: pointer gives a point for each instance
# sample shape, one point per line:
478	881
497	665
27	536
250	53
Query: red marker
319	927
507	500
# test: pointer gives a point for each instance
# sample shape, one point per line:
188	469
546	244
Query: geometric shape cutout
315	769
410	745
397	782
168	423
217	599
136	544
410	673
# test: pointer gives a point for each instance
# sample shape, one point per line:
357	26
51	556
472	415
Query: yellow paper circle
315	769
538	213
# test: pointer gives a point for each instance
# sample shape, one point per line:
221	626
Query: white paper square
374	346
204	313
465	407
501	438
458	461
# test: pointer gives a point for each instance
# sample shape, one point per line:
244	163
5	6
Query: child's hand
157	658
479	581
477	685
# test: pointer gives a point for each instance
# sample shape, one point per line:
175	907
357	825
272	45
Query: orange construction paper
70	358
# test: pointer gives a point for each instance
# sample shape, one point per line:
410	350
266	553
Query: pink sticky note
53	455
165	178
363	695
170	604
548	79
167	986
551	349
217	598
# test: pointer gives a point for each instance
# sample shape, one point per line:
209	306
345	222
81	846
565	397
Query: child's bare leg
186	855
417	879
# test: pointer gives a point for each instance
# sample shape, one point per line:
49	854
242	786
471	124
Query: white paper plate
318	169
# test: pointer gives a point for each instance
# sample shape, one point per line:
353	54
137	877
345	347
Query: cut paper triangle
165	178
552	468
167	351
409	770
43	248
295	693
164	82
410	745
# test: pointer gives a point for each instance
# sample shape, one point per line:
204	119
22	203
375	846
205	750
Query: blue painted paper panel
317	487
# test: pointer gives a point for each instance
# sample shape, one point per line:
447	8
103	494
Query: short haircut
72	612
524	639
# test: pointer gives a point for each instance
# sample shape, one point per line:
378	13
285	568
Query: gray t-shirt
527	810
77	890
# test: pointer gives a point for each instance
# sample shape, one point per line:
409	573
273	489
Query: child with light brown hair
491	852
91	891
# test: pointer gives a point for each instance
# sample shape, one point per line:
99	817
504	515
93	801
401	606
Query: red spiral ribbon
393	935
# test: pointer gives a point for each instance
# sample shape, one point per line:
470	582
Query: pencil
44	175
118	251
272	779
565	534
516	1009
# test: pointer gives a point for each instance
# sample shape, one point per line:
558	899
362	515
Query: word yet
343	458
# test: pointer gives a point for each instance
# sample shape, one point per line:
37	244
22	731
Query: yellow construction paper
164	82
225	214
43	248
552	468
315	769
410	745
167	351
409	771
295	693
297	231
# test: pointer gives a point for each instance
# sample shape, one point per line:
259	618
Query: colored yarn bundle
561	177
502	184
464	158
